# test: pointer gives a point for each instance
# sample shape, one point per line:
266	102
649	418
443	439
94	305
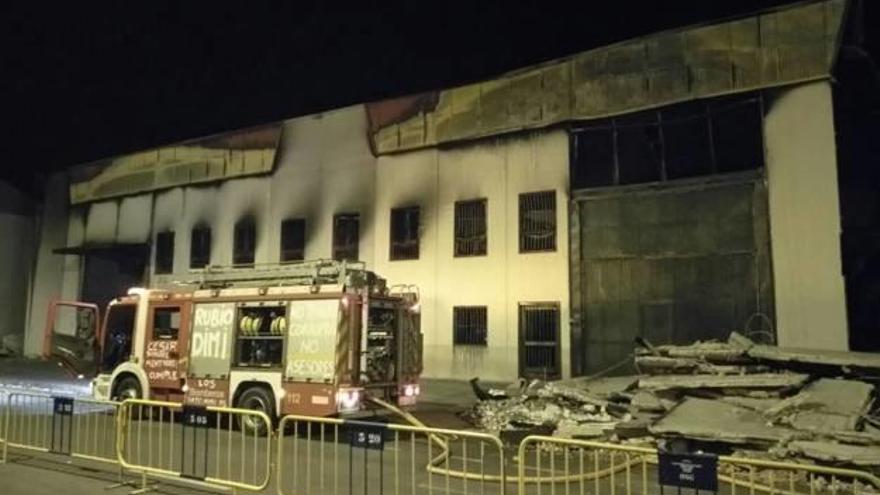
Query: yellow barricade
332	456
564	466
82	428
213	446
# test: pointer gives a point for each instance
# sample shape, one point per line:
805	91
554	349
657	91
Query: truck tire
128	387
256	399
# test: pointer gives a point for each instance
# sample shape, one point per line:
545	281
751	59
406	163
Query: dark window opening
470	228
593	158
260	336
737	136
166	323
346	236
117	339
537	221
200	247
686	141
469	325
405	233
164	252
293	239
539	340
639	149
244	242
690	139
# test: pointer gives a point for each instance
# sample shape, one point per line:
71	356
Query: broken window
469	325
592	160
293	239
639	148
200	247
737	135
470	227
164	252
686	140
539	340
346	236
537	221
405	233
690	139
244	242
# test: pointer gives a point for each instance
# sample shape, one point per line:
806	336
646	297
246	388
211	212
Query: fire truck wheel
257	399
127	388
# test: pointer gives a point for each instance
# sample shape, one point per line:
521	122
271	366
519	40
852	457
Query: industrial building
673	187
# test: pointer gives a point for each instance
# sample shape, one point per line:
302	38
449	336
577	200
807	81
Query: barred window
469	325
200	247
346	236
244	243
539	340
164	252
537	221
470	227
405	233
293	239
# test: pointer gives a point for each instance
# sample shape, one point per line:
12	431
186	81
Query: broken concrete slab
572	429
824	405
601	387
714	352
644	400
758	380
835	452
755	404
846	361
719	421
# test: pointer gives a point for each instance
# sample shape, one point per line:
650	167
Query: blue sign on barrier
62	406
695	471
368	435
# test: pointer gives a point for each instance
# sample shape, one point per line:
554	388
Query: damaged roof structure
726	397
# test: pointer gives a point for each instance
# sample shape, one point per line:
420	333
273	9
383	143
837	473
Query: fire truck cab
308	338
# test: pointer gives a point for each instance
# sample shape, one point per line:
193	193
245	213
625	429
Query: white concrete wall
16	260
805	218
49	267
498	170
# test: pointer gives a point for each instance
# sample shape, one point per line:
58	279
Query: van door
165	343
71	336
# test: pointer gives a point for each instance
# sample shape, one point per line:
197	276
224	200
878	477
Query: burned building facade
673	187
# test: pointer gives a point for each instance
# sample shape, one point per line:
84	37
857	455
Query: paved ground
315	467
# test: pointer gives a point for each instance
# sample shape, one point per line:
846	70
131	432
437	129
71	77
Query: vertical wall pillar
49	270
805	218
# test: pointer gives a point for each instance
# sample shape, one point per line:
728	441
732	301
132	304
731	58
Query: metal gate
672	263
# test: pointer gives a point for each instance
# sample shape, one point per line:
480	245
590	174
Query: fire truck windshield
118	336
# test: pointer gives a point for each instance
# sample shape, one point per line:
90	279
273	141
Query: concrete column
49	270
805	218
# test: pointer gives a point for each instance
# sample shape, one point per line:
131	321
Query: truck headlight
348	399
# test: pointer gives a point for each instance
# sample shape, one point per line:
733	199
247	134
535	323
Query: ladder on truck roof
312	272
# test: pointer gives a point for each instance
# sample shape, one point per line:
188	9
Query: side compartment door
165	342
210	354
71	336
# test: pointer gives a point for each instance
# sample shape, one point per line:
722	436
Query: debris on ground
736	397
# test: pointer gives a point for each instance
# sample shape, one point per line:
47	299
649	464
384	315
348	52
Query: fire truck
311	338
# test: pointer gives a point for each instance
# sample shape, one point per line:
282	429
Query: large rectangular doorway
672	263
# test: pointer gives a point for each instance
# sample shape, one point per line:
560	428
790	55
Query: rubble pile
731	397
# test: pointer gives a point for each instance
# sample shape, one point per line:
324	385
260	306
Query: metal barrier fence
81	428
213	446
4	397
328	455
564	466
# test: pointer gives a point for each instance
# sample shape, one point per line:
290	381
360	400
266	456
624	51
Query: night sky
81	83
